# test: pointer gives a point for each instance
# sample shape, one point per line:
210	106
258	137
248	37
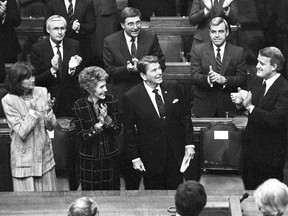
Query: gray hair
55	18
271	197
83	206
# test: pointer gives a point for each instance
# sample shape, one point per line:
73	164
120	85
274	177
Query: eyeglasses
137	24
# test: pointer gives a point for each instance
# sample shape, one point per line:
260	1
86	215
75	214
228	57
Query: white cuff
136	159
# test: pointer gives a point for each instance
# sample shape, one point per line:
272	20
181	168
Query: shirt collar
128	38
271	80
221	47
54	44
149	89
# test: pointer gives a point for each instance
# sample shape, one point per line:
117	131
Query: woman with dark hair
97	122
29	115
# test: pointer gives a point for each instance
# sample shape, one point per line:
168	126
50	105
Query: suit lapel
124	47
210	56
272	91
141	44
145	99
78	8
226	58
62	6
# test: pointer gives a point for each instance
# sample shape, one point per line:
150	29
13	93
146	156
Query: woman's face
99	90
28	83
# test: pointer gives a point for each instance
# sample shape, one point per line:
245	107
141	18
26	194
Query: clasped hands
132	66
226	5
73	63
242	98
76	26
102	117
215	77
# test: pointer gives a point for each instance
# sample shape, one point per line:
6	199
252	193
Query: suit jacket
9	44
146	135
93	142
64	88
104	7
85	13
116	54
197	17
31	147
206	98
266	131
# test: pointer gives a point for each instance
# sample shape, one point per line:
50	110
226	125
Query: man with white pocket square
158	130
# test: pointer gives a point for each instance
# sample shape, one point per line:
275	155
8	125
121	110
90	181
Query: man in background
217	69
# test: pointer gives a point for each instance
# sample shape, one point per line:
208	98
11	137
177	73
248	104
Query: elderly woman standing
97	122
271	197
29	115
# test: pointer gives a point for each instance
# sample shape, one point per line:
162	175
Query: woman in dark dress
97	123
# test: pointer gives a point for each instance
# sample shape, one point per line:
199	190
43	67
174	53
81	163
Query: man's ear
122	25
274	67
143	76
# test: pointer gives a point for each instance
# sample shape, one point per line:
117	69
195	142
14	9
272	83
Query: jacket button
89	134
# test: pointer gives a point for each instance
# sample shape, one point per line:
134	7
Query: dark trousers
255	174
167	180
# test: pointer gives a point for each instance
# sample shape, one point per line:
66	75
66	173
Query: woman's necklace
27	97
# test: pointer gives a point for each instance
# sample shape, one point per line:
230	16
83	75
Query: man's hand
138	165
247	99
76	26
54	61
132	67
3	8
208	4
227	3
74	61
189	152
216	77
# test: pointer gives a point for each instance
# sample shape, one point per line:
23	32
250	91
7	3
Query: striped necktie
70	11
160	104
59	73
218	60
133	48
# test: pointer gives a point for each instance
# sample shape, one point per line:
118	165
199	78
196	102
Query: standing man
56	60
121	52
157	127
9	19
217	69
203	11
81	22
266	131
121	55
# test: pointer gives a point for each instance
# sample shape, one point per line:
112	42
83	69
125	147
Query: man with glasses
217	69
122	50
56	61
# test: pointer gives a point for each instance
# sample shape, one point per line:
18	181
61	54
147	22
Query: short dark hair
275	55
19	71
144	62
129	12
190	198
217	21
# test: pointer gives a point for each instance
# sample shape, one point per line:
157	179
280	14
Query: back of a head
190	198
271	197
83	206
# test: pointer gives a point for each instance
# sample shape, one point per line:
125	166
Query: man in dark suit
203	11
157	127
266	131
58	71
217	69
121	64
81	22
9	18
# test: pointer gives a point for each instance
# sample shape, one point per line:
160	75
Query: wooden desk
110	203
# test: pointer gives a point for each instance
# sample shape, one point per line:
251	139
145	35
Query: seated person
190	198
83	206
271	197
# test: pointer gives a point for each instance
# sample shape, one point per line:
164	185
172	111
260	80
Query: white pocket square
175	101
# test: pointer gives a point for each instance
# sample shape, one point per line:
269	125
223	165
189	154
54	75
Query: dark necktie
215	6
218	60
133	48
70	12
160	104
263	89
59	73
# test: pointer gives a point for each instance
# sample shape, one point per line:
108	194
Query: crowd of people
125	96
